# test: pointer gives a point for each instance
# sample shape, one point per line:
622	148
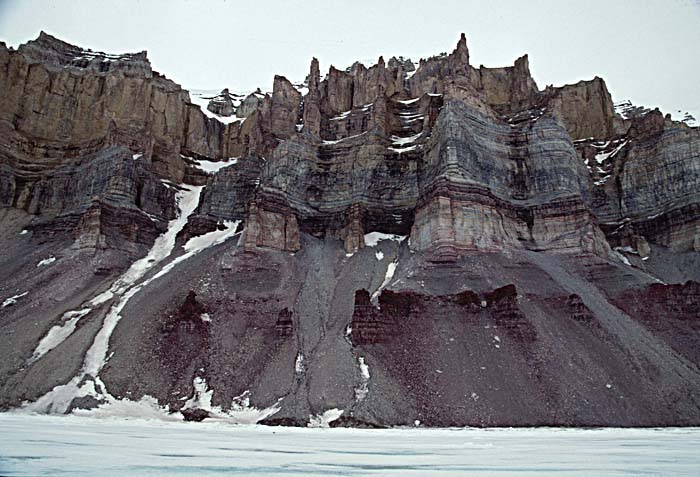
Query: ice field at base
73	445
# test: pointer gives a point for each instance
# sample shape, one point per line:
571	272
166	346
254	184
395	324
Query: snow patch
373	238
46	261
402	141
201	242
402	150
145	408
622	258
57	400
342	115
187	200
603	156
168	184
202	97
212	167
324	419
13	299
205	317
197	244
299	366
58	334
330	143
364	369
137	156
24	232
96	356
362	390
241	412
60	397
390	270
201	398
623	108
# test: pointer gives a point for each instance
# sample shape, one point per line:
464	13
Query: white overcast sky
646	50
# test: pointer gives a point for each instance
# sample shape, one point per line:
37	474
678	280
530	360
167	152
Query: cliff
400	242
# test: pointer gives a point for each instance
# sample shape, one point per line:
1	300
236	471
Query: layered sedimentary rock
61	100
222	104
585	108
654	153
106	199
669	310
249	104
369	127
404	242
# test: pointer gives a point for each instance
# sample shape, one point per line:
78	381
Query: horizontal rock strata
428	242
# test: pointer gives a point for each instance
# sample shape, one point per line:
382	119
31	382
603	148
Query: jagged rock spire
461	53
312	112
314	76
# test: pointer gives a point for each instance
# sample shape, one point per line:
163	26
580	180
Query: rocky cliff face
434	242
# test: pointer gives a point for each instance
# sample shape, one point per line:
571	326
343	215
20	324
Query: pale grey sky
646	50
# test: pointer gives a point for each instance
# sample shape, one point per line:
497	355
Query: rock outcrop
401	241
249	104
222	104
